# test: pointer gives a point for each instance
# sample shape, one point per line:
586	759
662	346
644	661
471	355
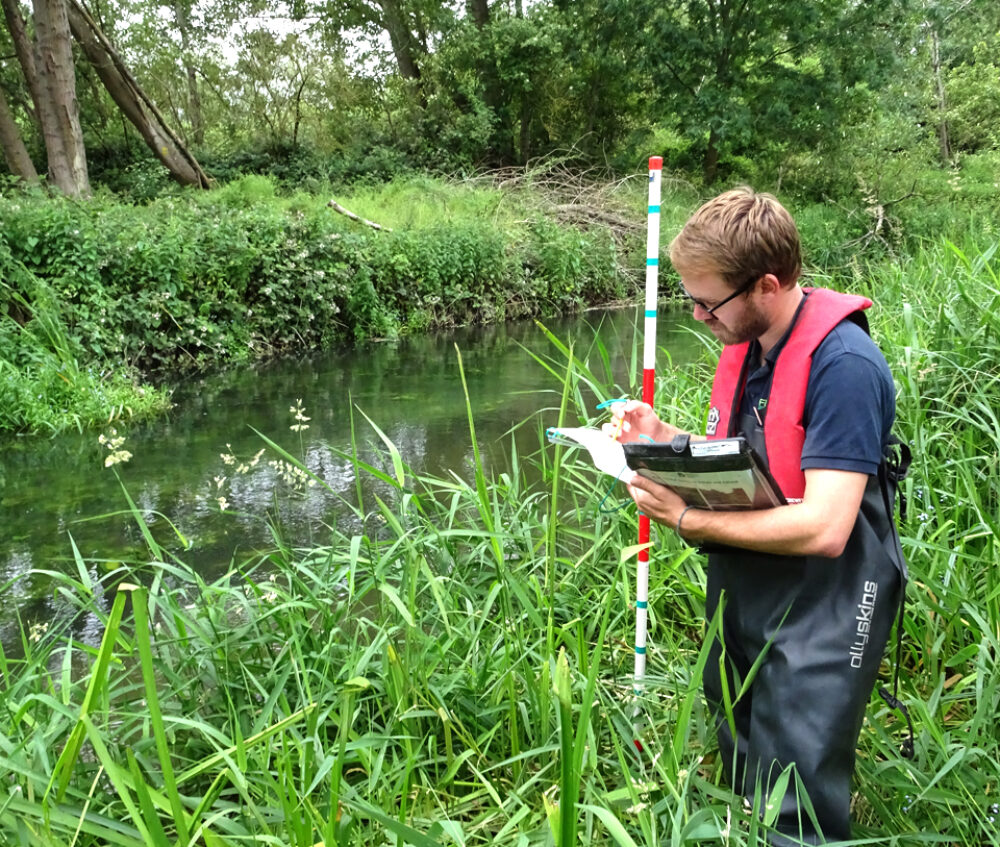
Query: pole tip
656	163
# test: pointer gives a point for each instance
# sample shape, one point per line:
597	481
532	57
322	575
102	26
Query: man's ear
769	284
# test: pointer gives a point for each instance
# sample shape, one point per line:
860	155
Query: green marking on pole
641	604
640	650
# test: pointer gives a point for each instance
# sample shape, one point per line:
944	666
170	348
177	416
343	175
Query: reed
47	383
459	671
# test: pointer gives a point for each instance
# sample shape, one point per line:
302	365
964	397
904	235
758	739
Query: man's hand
633	418
657	502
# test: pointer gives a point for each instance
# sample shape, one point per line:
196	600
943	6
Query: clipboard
724	474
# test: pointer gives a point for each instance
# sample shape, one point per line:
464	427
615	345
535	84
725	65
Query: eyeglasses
743	289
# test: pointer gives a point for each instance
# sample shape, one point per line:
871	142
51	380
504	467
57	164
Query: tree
172	45
15	153
47	65
273	75
734	72
409	25
132	100
512	58
950	47
182	21
974	95
48	70
555	77
604	94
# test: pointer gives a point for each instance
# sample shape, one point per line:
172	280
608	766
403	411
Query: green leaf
612	824
394	598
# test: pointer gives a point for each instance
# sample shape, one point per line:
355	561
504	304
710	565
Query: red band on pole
656	163
648	379
643	537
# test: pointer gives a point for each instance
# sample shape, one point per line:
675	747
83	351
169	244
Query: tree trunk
525	135
710	166
297	100
181	19
133	102
14	152
194	104
401	39
23	49
944	143
497	97
479	11
60	111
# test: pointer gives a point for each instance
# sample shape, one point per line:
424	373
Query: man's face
732	322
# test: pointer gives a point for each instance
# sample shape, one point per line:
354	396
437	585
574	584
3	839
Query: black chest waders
822	625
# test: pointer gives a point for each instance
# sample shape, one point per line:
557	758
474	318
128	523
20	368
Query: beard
751	324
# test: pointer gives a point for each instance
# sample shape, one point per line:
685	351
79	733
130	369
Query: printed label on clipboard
722	447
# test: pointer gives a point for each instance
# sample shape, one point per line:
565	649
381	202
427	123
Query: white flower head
116	453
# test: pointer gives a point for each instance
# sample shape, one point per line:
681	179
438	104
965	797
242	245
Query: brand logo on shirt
866	609
713	421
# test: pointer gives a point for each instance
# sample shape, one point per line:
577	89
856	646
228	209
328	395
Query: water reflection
411	389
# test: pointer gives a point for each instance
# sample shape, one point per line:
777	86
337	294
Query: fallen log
333	204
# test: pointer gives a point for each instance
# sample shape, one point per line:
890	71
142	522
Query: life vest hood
784	434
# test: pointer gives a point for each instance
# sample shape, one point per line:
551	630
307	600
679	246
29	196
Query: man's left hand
657	502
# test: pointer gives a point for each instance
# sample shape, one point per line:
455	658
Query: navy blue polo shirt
850	400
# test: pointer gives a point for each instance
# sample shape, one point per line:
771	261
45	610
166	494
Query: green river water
55	490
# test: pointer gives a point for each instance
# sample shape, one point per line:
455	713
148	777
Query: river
55	490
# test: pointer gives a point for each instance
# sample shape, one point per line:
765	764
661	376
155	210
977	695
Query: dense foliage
203	278
458	672
105	287
48	380
873	121
232	273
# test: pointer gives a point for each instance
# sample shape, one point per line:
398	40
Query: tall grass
459	672
47	383
939	323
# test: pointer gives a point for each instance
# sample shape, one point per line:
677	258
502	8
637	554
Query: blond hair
740	235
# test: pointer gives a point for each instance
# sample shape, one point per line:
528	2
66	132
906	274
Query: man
812	585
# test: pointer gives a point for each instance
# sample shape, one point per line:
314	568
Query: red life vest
783	432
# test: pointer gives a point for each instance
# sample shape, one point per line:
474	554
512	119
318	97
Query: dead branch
333	204
582	214
881	222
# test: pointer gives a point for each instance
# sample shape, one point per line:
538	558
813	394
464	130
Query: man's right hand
633	418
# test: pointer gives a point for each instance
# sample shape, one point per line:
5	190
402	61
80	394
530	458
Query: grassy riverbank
199	280
204	279
459	673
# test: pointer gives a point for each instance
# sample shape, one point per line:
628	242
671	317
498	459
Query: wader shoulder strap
891	472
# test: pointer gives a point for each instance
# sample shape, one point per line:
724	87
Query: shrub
199	278
45	385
